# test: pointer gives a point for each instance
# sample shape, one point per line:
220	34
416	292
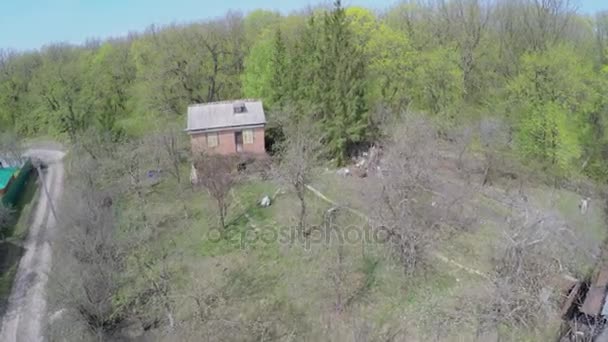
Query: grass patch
246	282
249	226
474	249
566	203
6	284
259	275
6	280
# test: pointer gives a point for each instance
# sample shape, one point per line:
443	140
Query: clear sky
29	24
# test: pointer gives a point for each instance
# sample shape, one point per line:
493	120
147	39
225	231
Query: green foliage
325	77
65	97
555	97
16	72
557	75
546	134
245	283
258	22
179	66
259	73
266	71
544	72
438	80
342	67
390	56
280	78
114	73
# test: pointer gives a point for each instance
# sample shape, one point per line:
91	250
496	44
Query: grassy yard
260	275
261	265
475	247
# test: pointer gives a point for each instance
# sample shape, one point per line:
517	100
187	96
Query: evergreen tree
278	81
341	89
304	69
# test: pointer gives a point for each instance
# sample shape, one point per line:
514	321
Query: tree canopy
539	66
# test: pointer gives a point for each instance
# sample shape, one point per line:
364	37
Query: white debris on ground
584	205
362	165
56	315
344	172
265	202
193	175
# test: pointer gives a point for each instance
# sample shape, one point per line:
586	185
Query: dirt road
26	314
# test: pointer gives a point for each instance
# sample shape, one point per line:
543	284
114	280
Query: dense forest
538	66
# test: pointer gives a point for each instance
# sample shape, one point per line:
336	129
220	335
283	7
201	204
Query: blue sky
29	24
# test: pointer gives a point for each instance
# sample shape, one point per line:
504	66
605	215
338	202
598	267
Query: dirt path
26	314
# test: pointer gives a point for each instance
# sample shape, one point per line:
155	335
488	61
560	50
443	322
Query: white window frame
248	136
214	141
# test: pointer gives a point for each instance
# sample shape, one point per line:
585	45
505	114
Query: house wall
258	146
227	144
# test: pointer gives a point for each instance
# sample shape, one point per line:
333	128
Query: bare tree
401	213
547	20
298	157
531	25
466	21
92	271
532	255
97	144
131	160
410	204
461	138
494	139
601	34
217	174
90	260
172	146
338	269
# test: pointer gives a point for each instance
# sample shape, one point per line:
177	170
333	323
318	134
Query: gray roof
217	115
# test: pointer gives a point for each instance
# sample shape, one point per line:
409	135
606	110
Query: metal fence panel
15	189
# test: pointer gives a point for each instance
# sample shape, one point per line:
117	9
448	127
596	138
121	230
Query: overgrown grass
261	272
566	203
6	284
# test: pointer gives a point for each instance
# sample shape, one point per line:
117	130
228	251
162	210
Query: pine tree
341	91
306	69
279	81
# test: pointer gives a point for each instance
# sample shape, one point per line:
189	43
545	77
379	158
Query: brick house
227	127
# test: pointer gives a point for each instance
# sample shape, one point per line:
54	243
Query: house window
248	136
212	139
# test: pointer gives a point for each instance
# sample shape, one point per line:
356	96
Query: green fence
15	189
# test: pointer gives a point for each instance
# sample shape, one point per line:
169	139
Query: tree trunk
177	175
302	217
222	219
222	209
